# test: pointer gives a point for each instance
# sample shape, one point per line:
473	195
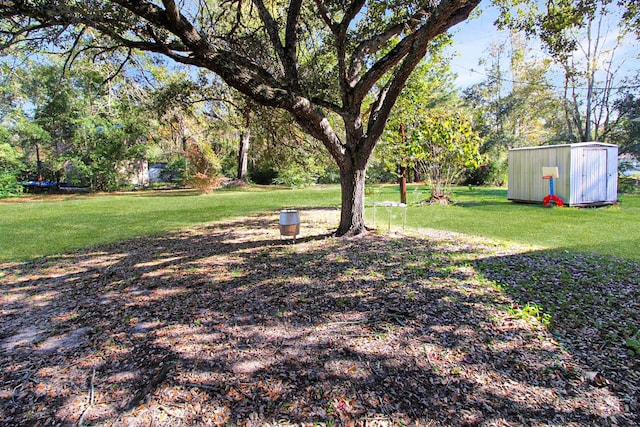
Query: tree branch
70	58
326	16
341	46
290	44
415	51
15	36
120	68
173	13
373	44
447	14
272	31
367	47
170	19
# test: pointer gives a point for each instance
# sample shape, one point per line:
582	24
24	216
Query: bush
377	173
204	161
628	184
206	184
331	175
491	173
262	175
175	171
296	177
10	164
77	173
9	186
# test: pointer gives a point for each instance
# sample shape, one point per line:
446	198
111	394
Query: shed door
594	175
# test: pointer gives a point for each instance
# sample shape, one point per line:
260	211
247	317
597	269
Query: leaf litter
229	324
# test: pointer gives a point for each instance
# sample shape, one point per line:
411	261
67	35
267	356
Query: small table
390	205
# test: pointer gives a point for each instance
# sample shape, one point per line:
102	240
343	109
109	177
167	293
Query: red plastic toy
551	197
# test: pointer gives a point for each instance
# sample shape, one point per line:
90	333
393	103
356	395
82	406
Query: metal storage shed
588	173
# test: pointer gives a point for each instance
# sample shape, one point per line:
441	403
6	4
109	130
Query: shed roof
575	144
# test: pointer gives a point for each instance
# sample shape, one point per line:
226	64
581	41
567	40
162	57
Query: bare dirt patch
229	324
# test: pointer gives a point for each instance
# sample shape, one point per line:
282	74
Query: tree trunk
39	164
352	181
403	184
403	170
417	177
243	155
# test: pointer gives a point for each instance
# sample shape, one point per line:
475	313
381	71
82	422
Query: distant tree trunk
243	149
39	164
568	115
590	74
243	155
403	184
417	177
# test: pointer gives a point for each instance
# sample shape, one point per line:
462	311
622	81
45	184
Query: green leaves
430	86
79	124
449	145
10	164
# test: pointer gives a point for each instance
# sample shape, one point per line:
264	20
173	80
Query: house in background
588	173
157	172
135	172
140	173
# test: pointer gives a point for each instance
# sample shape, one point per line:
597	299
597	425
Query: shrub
295	176
331	175
263	174
175	171
9	186
77	173
378	173
490	173
204	161
628	184
206	184
10	164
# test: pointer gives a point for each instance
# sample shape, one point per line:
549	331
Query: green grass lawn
57	224
611	230
49	225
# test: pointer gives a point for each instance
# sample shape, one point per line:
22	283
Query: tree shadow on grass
229	324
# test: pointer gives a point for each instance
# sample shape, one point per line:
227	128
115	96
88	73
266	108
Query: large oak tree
337	66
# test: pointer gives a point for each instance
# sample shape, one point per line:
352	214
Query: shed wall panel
525	173
576	165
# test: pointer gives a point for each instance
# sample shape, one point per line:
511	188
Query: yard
45	226
190	310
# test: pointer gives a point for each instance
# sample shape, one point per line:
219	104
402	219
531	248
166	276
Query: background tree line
90	123
88	126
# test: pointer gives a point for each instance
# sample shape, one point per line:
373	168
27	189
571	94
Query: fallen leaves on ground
228	324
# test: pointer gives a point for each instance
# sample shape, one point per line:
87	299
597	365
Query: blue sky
472	40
